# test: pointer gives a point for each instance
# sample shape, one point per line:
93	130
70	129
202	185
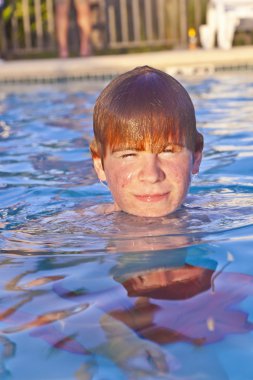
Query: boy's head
145	132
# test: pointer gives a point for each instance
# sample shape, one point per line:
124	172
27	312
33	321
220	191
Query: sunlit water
110	297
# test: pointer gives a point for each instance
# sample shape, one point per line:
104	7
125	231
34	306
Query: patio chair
222	19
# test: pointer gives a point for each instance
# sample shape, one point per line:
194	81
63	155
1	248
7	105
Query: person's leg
84	24
62	23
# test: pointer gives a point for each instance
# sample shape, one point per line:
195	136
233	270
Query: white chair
223	17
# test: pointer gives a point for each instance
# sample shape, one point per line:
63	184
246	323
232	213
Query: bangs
146	111
147	130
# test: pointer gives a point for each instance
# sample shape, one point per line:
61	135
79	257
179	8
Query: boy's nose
151	170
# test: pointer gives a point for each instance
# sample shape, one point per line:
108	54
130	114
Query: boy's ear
98	166
197	157
97	162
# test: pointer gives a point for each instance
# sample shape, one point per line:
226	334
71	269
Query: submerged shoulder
101	209
80	213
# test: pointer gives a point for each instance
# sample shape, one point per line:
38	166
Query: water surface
110	297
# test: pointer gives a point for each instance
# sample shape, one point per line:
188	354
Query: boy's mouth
149	198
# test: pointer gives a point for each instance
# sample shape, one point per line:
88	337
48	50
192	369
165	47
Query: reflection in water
7	351
127	308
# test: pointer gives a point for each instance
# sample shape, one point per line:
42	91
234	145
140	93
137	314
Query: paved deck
174	62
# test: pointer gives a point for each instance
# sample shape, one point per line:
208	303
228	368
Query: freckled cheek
124	181
119	179
127	179
175	173
124	176
181	174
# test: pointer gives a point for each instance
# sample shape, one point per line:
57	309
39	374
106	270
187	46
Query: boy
146	143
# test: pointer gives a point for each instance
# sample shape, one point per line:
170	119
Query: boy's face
148	184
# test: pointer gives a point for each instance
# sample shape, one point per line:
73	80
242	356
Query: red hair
144	109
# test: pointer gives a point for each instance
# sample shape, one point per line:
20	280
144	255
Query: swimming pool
121	297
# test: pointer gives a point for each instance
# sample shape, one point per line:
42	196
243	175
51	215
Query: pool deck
186	62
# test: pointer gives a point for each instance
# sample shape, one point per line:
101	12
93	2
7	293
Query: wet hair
144	109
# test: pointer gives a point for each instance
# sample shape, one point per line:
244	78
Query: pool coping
175	62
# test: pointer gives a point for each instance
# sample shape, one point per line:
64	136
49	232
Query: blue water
84	296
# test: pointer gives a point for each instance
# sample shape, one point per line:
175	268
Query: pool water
85	296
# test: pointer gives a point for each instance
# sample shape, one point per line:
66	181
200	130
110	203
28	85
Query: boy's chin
150	213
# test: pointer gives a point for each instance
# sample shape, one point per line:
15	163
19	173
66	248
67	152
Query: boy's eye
172	149
127	155
168	150
122	154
